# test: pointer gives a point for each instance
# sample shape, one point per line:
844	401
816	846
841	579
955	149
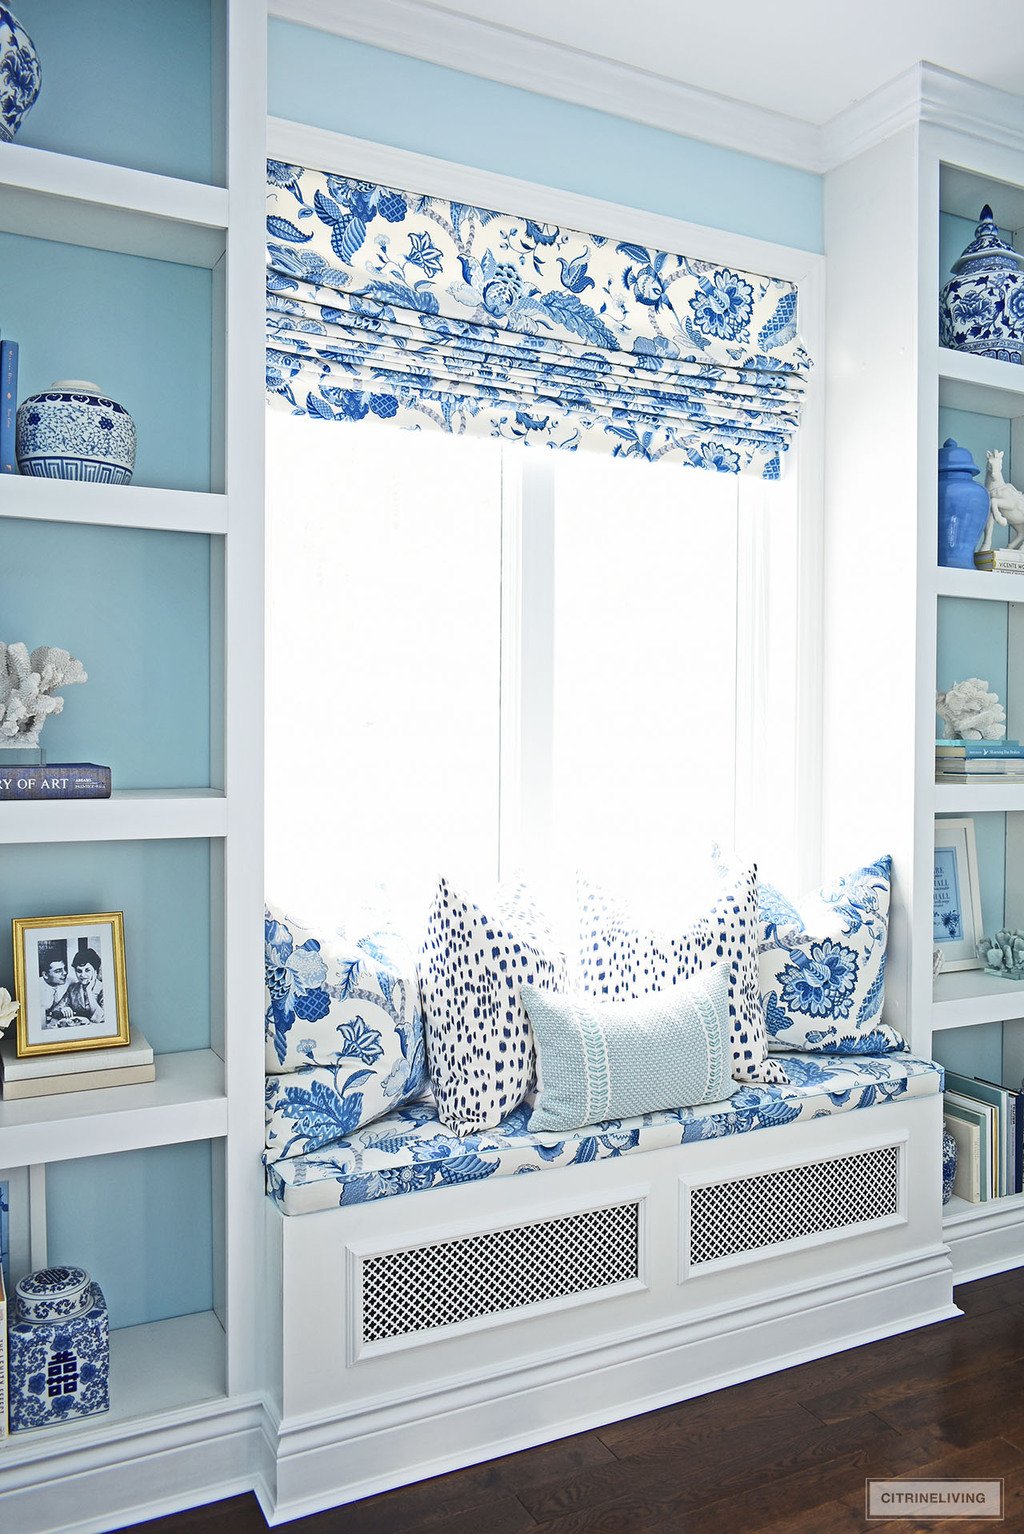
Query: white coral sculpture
28	689
971	711
8	1009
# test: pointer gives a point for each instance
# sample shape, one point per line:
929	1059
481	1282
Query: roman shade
387	304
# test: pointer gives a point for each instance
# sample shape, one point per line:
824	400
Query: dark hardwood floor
788	1454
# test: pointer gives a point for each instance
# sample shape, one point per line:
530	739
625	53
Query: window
483	657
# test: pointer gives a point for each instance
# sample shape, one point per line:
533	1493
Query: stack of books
75	1070
1006	561
987	1123
979	761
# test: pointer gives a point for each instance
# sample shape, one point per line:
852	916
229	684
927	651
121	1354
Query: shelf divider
56	500
130	814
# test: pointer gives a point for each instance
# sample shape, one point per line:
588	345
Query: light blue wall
972	1051
139	329
126	81
134	607
162	887
141	1223
348	87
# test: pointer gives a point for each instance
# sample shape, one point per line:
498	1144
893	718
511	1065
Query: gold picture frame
70	978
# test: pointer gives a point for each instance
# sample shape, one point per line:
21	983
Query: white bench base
693	1299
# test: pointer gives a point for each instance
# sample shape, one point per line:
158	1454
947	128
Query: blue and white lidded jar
72	431
982	305
58	1348
949	1160
20	74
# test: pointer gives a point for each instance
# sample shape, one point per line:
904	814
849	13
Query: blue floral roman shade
382	303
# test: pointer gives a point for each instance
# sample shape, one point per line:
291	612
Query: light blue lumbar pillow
600	1060
822	965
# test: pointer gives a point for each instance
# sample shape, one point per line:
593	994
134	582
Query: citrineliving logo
928	1500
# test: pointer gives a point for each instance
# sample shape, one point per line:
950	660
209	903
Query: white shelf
964	998
981	585
108	207
980	384
162	1367
977	798
130	814
185	1102
959	1213
55	500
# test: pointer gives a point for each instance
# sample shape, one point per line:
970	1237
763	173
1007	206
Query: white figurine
1005	504
28	689
971	712
8	1009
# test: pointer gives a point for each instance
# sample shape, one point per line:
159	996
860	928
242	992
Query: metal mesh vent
727	1218
500	1270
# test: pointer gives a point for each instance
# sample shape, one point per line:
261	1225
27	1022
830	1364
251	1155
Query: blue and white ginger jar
982	305
72	431
20	74
949	1160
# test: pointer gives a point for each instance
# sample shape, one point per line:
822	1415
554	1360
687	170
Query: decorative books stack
75	1070
979	761
987	1123
1005	561
60	780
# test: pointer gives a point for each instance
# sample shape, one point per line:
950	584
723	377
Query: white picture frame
956	899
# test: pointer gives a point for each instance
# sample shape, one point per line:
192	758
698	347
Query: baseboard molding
986	1240
135	1472
333	1459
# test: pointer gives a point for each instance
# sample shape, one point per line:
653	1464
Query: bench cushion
410	1150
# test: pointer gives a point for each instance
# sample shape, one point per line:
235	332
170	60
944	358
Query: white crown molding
515	58
923	93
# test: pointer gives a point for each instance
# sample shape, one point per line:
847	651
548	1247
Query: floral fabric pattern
344	1033
382	303
411	1150
822	966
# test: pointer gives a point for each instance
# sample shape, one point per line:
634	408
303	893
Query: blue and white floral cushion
410	1151
822	965
620	959
479	1040
344	1033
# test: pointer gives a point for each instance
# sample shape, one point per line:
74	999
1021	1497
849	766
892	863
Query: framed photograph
957	900
69	976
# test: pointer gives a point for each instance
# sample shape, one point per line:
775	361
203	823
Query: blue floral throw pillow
344	1033
822	966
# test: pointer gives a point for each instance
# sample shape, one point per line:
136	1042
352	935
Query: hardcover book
983	1116
978	749
1007	561
80	1070
8	405
1004	1101
967	1183
59	780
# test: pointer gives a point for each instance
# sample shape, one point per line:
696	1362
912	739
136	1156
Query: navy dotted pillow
617	959
479	1040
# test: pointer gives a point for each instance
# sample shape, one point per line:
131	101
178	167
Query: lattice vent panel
500	1270
728	1218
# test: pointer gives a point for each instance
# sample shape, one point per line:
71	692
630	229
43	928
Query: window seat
410	1150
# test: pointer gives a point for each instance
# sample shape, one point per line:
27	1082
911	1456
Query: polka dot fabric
479	1040
619	960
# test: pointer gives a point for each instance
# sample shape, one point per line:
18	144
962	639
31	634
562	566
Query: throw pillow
600	1060
349	1006
479	1042
822	965
620	959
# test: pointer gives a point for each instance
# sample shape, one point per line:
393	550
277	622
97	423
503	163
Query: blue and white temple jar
72	431
58	1363
20	74
982	305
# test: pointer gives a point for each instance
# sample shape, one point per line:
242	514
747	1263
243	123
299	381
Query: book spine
8	405
74	781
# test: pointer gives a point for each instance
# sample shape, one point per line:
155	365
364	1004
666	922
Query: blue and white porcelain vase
982	305
963	506
20	74
72	431
58	1350
949	1155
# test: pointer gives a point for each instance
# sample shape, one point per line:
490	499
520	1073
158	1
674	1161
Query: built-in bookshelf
155	275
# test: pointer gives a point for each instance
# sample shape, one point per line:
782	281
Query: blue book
8	405
966	749
60	780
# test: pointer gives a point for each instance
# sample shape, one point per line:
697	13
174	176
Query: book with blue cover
8	405
976	749
59	780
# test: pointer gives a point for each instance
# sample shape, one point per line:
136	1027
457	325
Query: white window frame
774	714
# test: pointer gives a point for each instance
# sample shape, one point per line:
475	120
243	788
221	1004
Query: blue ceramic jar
58	1348
963	506
72	431
982	305
20	74
949	1160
